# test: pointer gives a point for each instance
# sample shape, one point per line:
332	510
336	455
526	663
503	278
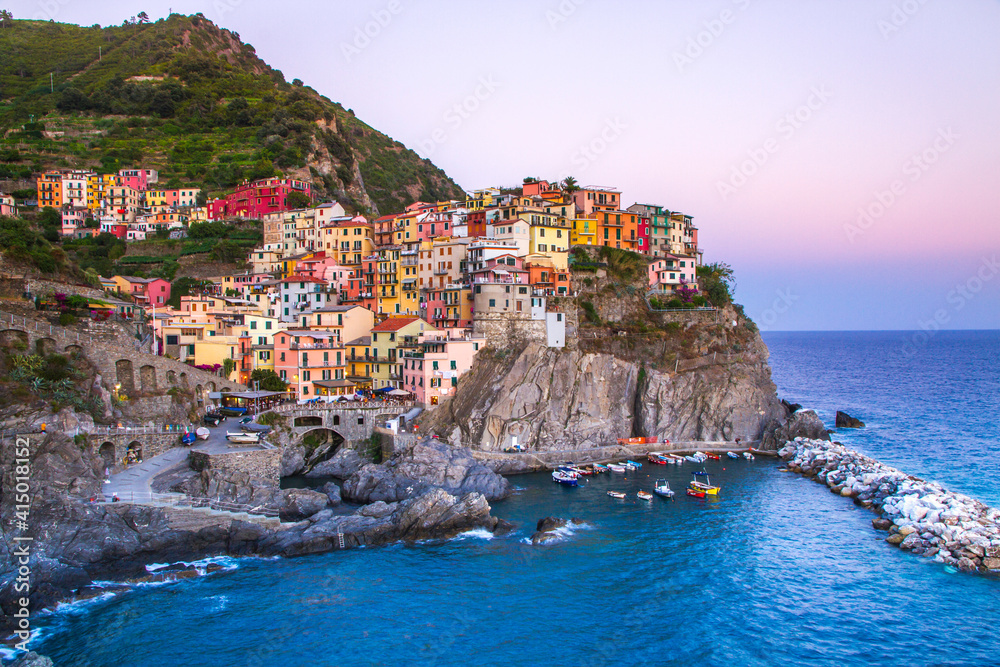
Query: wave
228	563
563	533
477	533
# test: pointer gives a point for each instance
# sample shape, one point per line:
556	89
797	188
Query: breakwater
922	517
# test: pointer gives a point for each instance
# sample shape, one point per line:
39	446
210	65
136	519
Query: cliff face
552	399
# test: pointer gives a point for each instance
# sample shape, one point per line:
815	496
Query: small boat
714	457
676	460
705	487
616	494
748	456
579	470
616	467
599	468
635	464
644	495
188	438
695	493
202	433
657	458
692	459
700	456
733	455
564	477
243	438
662	488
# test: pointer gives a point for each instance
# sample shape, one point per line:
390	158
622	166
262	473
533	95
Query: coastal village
339	306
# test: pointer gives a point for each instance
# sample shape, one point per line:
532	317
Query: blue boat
188	438
634	464
564	477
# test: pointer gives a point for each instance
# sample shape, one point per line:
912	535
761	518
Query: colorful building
433	364
257	199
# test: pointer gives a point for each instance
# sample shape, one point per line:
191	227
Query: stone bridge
354	423
137	372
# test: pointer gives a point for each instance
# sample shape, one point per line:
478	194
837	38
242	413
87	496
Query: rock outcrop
75	542
548	530
429	463
921	517
570	399
845	420
803	423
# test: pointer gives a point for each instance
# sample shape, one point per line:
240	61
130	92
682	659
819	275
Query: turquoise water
777	570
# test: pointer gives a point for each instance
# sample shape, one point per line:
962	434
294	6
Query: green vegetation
718	281
54	378
24	243
185	287
268	379
590	312
624	265
271	419
190	99
374	450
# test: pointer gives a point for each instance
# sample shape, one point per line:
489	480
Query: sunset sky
843	157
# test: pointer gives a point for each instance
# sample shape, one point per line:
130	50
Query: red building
643	234
257	199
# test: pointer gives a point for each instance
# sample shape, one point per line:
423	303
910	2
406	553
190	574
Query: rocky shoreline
922	517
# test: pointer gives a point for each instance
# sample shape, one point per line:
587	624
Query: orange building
617	229
50	190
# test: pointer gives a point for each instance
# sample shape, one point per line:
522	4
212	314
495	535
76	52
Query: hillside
190	99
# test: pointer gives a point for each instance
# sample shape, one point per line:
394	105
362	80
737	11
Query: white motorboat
616	467
733	455
565	477
748	456
243	438
617	494
662	488
202	433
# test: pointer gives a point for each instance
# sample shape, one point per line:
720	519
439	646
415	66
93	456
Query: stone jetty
921	517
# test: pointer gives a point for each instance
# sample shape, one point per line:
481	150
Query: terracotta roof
394	323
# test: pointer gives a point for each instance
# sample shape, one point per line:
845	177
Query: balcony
441	272
314	346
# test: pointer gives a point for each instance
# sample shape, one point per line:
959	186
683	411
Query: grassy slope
193	124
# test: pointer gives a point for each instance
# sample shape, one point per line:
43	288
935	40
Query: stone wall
262	463
39	287
137	372
148	444
509	330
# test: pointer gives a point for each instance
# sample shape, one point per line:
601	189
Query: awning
382	390
399	392
333	384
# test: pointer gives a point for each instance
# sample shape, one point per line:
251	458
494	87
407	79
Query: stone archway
210	386
198	393
44	346
184	380
133	453
14	338
73	350
147	379
125	376
321	444
107	452
172	378
308	420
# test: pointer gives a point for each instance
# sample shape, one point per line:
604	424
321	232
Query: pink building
433	225
668	273
643	236
257	199
149	291
7	207
138	179
431	369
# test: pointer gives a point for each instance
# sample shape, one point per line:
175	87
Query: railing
333	404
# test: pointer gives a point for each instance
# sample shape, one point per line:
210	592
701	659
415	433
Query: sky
842	156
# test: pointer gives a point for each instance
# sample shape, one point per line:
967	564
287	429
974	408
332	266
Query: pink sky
874	83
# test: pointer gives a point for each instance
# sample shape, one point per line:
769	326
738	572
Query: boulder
802	423
293	460
341	465
429	463
881	523
991	563
32	659
546	529
332	492
895	538
845	420
301	503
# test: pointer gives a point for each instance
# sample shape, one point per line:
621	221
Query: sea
778	570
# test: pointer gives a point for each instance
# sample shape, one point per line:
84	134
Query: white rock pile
921	517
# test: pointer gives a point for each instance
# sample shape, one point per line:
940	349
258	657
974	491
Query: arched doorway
125	376
133	454
107	452
147	379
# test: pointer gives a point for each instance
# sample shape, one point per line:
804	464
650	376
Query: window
454	365
493	303
434	366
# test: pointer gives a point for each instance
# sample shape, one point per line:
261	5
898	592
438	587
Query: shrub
590	312
66	319
675	303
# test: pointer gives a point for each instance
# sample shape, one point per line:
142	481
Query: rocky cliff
700	381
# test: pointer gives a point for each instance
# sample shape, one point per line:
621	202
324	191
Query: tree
569	185
297	200
718	281
6	17
143	17
268	379
228	366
